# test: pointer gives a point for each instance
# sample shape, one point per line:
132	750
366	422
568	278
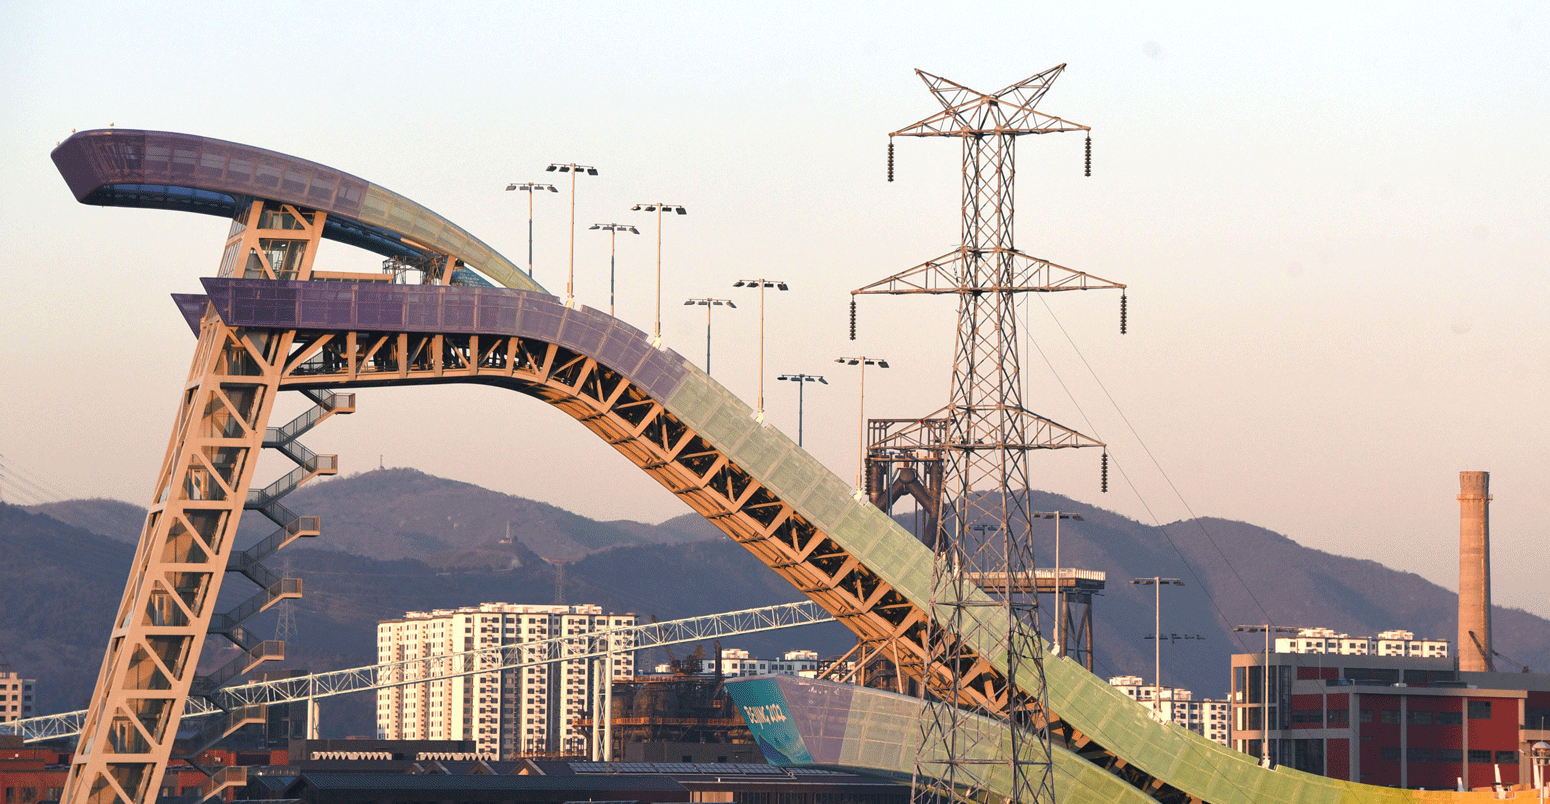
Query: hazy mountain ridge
64	581
405	513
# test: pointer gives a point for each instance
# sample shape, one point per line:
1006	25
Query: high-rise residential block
533	710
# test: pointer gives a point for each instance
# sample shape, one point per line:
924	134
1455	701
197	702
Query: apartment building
1386	643
16	696
738	662
534	710
1206	717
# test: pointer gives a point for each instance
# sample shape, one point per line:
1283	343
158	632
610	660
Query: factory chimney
1474	645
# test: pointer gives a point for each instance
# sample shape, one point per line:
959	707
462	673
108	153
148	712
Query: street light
530	188
659	209
761	284
1060	589
1159	583
708	304
801	380
613	230
1541	758
573	169
863	361
1264	719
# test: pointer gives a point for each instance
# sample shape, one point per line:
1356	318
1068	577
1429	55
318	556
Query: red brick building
1400	722
35	775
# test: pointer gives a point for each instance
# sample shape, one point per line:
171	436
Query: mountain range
399	540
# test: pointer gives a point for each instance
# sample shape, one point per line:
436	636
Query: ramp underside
751	481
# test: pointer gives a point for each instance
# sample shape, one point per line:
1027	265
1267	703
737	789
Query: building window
1506	757
1390	753
1419	718
1448	718
1418	754
1480	710
1479	756
1388	716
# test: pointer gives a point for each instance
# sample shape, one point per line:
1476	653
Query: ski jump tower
974	453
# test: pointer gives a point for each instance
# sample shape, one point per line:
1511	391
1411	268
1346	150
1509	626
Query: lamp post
572	168
659	209
1264	720
708	304
1540	752
1060	589
761	284
530	188
613	230
1158	583
801	380
863	361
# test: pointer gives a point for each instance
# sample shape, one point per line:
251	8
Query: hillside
404	513
1293	584
399	540
61	586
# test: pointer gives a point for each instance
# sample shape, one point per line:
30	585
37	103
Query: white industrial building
1386	643
1209	718
510	713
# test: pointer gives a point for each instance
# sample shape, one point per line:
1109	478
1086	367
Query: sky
1332	219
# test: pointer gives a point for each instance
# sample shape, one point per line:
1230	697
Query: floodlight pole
572	168
613	230
1264	703
761	284
570	277
659	209
863	361
708	304
801	380
1157	583
1060	589
530	188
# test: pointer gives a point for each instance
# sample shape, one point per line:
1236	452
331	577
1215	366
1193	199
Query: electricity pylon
980	441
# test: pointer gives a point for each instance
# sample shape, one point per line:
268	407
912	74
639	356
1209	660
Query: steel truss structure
655	408
590	645
973	452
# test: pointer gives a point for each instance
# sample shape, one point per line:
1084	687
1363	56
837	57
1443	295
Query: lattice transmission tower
974	454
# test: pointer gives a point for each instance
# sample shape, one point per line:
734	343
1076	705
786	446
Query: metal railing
317	464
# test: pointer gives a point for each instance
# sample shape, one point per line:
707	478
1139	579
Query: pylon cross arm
1029	275
968	112
1036	431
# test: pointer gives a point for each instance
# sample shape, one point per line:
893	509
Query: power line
1156	522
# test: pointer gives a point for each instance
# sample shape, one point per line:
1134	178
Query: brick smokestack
1474	572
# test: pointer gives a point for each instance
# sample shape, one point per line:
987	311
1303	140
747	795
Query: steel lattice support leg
168	603
185	547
